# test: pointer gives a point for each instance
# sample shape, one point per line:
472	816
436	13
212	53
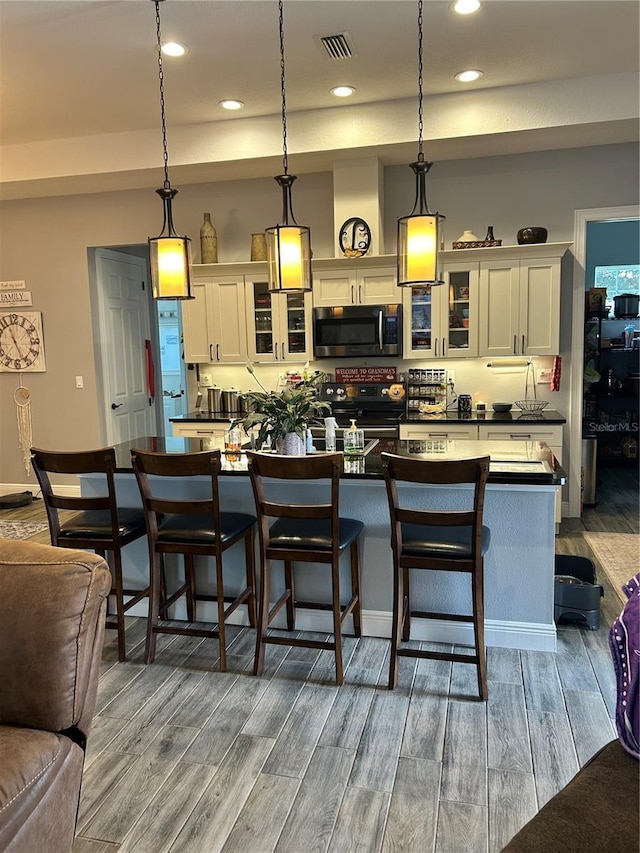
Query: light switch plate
544	376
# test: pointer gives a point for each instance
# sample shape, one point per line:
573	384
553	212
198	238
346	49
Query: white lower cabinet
551	434
213	431
438	431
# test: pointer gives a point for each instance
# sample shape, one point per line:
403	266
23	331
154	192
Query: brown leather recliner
52	617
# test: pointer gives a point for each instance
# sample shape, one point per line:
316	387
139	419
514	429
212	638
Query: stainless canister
214	399
231	401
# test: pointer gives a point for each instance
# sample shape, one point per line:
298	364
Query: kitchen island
519	509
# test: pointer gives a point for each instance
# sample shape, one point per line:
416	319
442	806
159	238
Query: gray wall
45	242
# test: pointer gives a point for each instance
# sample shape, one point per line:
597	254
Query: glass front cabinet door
441	321
279	324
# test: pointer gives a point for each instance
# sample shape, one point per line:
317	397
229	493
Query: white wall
45	241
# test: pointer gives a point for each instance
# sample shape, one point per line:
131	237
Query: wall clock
21	342
354	237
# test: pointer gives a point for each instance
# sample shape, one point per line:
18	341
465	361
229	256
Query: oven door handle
380	343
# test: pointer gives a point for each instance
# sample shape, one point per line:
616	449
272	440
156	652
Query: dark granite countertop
515	416
516	463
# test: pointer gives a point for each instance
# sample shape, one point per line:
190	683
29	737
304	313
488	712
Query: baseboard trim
377	623
66	491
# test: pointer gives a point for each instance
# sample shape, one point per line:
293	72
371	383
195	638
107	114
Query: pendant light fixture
418	237
288	244
169	254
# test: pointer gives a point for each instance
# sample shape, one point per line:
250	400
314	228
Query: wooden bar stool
449	541
99	526
191	527
310	533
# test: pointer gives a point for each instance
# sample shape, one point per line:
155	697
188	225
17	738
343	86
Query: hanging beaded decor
22	397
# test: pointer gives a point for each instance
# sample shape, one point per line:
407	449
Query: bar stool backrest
165	465
264	466
400	469
101	461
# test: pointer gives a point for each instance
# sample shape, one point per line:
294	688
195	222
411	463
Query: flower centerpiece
280	415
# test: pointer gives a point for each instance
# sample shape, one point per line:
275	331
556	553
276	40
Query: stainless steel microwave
353	331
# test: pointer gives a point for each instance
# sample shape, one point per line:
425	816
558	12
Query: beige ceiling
79	102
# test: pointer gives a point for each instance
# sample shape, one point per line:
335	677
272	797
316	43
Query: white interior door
124	331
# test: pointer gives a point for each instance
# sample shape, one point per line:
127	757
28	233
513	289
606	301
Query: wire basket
532	406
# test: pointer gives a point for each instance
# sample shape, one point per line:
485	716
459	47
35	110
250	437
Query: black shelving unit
610	415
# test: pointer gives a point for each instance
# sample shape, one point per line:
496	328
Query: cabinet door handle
360	294
438	435
276	349
217	352
353	294
282	350
436	347
523	346
515	345
443	347
210	352
522	436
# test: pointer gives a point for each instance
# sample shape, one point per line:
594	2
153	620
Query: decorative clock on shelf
21	342
354	237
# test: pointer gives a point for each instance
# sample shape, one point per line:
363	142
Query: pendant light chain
165	152
420	71
285	154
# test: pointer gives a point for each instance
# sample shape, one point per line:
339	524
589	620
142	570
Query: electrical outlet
205	379
544	376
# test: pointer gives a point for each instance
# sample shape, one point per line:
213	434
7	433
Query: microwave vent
339	46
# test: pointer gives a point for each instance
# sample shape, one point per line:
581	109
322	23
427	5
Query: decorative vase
291	444
258	247
208	242
467	237
532	235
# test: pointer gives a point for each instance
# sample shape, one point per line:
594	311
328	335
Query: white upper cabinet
520	307
214	323
278	324
442	321
352	286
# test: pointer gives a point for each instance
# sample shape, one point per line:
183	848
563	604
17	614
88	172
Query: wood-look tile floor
182	757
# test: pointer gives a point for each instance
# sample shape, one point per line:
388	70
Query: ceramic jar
258	247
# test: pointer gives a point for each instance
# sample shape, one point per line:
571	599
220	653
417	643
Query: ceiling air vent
339	46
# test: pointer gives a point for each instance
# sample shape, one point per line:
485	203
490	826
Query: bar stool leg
396	625
355	588
221	626
406	614
189	579
117	570
251	577
337	618
291	600
477	581
263	616
154	605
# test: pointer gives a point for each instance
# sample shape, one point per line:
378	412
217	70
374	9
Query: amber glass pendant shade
170	257
288	248
418	242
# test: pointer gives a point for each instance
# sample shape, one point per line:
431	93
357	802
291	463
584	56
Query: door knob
116	405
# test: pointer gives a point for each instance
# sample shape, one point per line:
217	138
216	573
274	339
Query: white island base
519	566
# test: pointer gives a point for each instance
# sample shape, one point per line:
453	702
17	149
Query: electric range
377	407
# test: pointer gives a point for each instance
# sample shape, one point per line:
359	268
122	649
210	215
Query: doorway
140	371
582	220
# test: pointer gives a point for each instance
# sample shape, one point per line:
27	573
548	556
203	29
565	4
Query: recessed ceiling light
173	48
231	104
342	91
466	7
468	76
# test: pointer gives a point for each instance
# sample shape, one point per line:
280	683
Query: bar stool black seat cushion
198	527
96	524
312	534
453	543
597	812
